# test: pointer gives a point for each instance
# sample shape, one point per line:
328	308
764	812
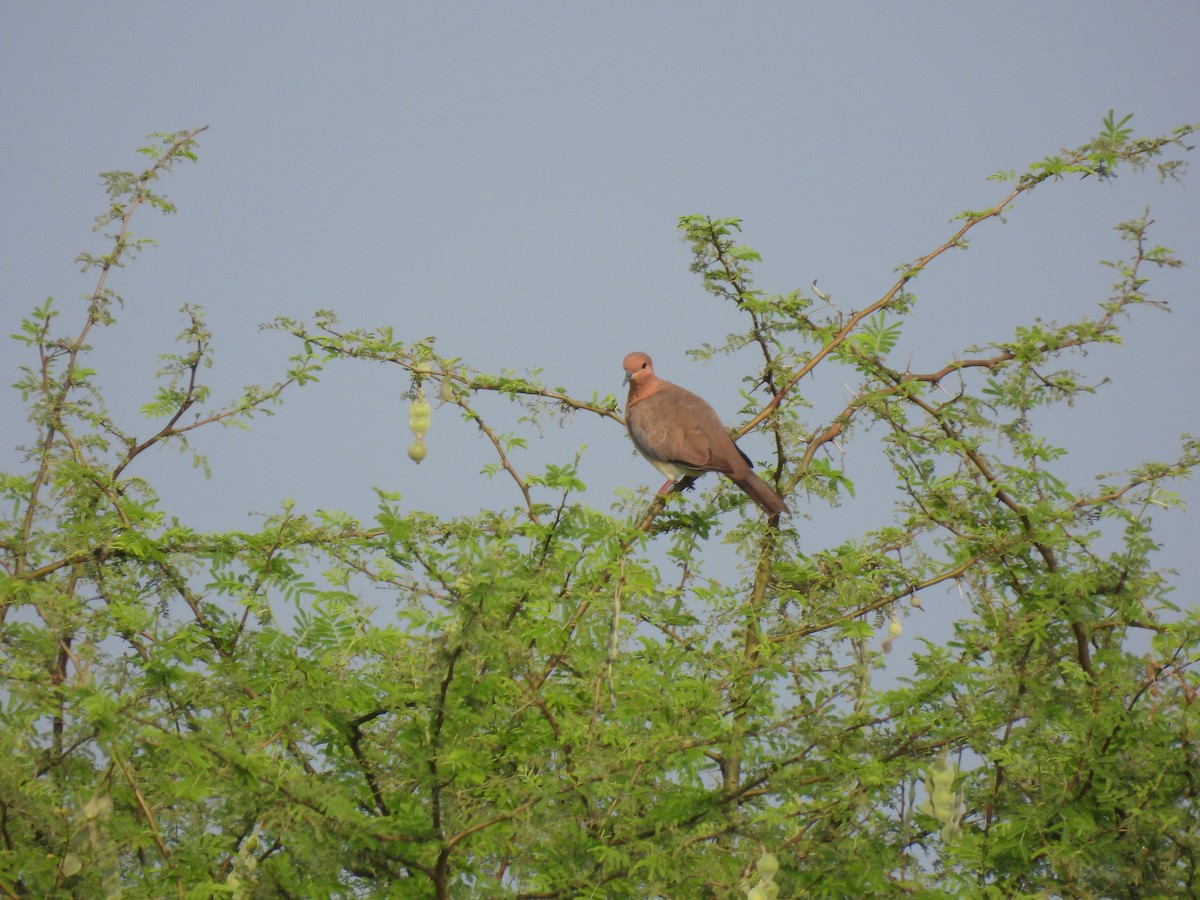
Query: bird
680	434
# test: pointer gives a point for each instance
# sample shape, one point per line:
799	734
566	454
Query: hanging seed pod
419	416
767	866
416	452
894	631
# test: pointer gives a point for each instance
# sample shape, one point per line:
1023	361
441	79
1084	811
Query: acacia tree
556	701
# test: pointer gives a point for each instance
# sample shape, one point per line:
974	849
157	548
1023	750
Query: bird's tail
763	494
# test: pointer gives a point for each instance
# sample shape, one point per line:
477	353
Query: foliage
554	701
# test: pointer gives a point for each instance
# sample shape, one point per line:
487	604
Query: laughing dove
682	435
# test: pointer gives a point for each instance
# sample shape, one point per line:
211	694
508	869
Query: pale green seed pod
420	416
767	866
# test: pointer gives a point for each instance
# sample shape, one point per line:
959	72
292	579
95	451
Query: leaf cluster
550	700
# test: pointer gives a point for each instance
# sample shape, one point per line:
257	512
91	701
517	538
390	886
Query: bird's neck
640	390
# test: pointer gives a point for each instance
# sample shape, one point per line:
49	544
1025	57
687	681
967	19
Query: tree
555	701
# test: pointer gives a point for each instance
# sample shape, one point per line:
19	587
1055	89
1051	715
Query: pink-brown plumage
681	435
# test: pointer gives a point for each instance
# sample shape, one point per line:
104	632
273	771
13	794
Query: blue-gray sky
508	177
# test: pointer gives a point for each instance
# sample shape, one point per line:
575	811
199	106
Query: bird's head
638	365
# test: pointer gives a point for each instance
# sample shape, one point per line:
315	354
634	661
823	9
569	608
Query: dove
680	434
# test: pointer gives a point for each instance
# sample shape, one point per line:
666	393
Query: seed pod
942	773
419	416
767	866
416	452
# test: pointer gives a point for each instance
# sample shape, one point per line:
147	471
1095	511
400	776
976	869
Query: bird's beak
628	378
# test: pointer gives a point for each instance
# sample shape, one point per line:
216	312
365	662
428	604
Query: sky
508	177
